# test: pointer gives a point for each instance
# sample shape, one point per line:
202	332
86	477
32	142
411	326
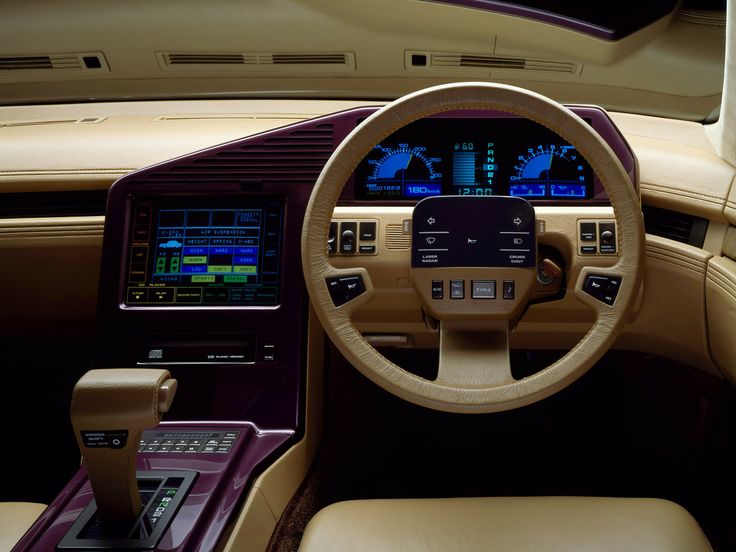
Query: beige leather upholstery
115	400
15	519
510	524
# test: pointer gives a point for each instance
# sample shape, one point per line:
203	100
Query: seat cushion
15	519
504	524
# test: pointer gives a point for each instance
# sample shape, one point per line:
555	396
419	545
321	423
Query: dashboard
201	255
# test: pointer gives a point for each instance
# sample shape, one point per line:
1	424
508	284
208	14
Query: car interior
400	275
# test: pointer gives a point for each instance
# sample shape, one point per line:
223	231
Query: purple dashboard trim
211	504
535	14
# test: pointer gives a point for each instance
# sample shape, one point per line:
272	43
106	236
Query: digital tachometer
549	171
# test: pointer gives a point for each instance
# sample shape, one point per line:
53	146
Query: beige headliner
673	67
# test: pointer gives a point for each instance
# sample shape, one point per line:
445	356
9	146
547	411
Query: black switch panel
603	288
345	288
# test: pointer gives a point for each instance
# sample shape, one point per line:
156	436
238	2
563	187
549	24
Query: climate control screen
204	252
474	157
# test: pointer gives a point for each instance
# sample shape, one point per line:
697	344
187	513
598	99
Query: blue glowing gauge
551	170
403	171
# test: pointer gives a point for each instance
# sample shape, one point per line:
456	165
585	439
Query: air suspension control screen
186	252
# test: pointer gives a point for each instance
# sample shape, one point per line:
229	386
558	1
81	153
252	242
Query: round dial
406	170
549	170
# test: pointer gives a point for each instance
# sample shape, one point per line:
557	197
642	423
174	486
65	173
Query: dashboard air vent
53	204
310	59
287	157
675	226
254	61
207	59
50	62
444	60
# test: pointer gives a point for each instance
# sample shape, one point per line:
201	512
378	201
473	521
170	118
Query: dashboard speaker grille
296	156
396	238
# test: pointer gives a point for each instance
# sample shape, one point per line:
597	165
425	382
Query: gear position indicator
451	231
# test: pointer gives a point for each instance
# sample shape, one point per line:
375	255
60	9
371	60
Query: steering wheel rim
472	397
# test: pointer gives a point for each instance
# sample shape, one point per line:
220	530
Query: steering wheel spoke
598	288
473	357
348	288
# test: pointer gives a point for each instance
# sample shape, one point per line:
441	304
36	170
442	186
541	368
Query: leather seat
15	519
508	524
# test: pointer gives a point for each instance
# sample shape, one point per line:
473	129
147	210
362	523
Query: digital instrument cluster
474	157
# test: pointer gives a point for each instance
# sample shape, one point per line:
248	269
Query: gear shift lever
110	409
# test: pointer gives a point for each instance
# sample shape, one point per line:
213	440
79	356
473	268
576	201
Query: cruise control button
438	289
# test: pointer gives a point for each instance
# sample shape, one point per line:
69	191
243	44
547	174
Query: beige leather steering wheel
474	372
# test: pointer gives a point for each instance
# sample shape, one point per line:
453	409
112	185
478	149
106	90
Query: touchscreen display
474	157
200	251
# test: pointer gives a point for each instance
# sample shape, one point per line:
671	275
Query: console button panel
187	442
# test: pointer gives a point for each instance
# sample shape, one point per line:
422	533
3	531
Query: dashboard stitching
67	171
676	254
697	270
685	193
723	286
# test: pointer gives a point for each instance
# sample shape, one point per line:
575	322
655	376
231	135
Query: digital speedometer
402	171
